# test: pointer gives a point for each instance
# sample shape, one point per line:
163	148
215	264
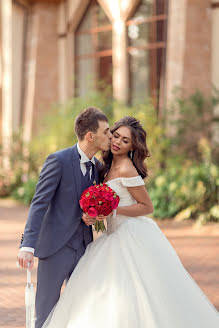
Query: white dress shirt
83	160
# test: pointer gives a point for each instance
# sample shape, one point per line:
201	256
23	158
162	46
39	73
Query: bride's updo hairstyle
140	150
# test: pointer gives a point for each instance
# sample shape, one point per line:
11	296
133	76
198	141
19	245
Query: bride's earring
131	154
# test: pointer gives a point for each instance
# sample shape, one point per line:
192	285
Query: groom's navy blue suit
54	226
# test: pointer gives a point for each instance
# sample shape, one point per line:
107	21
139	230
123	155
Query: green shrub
183	177
192	119
56	132
57	127
25	191
157	142
11	176
188	191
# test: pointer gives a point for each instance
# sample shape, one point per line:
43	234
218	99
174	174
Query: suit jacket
55	214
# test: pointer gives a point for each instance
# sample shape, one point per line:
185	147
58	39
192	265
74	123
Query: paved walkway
197	249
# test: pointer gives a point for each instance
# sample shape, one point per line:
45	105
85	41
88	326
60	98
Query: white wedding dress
131	277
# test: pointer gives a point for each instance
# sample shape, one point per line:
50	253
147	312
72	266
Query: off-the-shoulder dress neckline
122	178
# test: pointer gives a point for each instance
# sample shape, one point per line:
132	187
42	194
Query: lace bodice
119	185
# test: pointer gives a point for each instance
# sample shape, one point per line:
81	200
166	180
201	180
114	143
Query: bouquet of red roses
99	200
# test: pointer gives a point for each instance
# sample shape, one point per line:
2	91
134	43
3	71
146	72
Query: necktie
89	165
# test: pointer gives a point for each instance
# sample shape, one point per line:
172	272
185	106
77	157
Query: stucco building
51	50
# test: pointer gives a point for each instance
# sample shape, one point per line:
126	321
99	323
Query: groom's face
103	136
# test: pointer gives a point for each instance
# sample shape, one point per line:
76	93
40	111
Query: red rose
92	212
93	202
81	203
114	204
99	199
109	196
106	208
98	208
85	202
92	188
107	211
85	208
102	194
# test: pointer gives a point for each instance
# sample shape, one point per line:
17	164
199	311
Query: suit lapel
77	171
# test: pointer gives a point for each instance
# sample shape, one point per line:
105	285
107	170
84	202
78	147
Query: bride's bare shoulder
127	169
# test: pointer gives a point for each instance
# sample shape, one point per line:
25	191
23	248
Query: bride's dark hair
140	150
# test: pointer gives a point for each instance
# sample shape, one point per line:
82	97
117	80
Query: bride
131	277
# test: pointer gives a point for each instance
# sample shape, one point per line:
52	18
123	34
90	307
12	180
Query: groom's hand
24	257
88	220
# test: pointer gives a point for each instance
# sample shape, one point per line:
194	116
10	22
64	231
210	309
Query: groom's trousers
52	272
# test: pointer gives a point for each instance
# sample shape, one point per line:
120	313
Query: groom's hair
88	121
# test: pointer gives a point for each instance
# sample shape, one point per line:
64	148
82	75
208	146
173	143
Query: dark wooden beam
23	3
44	1
215	5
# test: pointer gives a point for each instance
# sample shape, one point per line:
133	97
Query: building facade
52	50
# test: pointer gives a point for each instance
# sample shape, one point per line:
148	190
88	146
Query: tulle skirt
132	278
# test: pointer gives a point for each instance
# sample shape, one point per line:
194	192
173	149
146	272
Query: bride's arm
138	191
144	204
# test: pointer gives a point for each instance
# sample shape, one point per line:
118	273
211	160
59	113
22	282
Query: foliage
188	191
11	177
183	177
191	117
157	142
25	191
57	130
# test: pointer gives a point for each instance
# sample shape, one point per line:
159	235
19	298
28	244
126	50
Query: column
120	62
62	55
215	67
31	77
176	32
7	124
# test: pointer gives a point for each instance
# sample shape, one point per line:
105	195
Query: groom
55	231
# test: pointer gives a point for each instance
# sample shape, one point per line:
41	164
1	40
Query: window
146	48
93	46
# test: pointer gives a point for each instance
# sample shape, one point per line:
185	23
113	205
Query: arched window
146	49
93	47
